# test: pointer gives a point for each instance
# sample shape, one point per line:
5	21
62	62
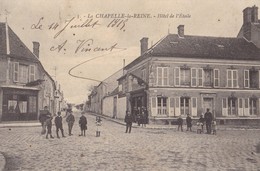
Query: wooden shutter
16	72
177	106
177	76
246	107
240	107
194	106
171	106
193	77
153	106
224	107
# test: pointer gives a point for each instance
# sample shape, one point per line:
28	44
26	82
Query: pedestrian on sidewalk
58	124
128	121
188	122
208	119
70	120
43	118
83	124
214	127
180	123
98	124
49	125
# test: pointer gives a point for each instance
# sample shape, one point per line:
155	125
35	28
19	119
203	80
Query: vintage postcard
130	85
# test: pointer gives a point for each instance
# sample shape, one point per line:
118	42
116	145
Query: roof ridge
208	36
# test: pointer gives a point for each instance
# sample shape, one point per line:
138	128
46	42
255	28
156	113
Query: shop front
19	104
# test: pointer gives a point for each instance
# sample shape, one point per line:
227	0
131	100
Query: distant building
25	86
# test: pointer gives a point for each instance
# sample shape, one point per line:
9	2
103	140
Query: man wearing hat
70	120
58	124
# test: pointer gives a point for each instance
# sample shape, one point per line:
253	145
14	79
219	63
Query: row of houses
25	86
187	74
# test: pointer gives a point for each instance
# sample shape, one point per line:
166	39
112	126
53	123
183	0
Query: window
23	73
161	105
16	71
185	104
252	107
246	78
185	76
231	106
162	76
208	77
32	73
12	104
232	78
253	76
216	78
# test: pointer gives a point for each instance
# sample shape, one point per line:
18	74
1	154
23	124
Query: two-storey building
25	86
184	74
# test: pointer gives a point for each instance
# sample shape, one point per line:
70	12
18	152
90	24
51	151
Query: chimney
36	46
144	45
255	14
181	30
247	14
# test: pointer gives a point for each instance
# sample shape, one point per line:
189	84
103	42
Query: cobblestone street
143	149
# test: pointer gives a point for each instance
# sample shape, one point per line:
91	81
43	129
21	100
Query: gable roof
17	48
202	47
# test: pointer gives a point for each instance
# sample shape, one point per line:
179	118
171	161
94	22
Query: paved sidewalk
158	126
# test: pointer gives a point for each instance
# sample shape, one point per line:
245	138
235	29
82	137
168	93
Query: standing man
128	121
43	117
188	122
208	119
180	122
70	120
83	124
58	124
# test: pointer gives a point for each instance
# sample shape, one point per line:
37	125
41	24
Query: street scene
143	149
120	85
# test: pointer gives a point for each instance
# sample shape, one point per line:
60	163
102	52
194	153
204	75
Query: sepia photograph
169	85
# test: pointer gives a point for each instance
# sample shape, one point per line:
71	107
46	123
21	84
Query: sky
81	34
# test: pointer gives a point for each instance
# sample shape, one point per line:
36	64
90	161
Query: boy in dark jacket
188	121
70	120
58	124
128	121
49	125
83	124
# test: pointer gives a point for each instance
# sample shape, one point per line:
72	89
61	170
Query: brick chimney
144	45
36	47
247	15
181	30
255	14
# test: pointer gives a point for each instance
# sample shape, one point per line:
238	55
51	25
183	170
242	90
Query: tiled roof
202	47
17	48
206	47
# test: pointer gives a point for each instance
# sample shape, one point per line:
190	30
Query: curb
2	162
165	127
17	125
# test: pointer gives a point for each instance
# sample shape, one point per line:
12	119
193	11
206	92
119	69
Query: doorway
208	104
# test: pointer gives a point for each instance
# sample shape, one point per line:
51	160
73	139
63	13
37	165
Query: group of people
46	121
140	116
206	119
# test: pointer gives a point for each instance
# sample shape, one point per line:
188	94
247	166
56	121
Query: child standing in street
214	127
49	125
188	121
83	124
98	124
